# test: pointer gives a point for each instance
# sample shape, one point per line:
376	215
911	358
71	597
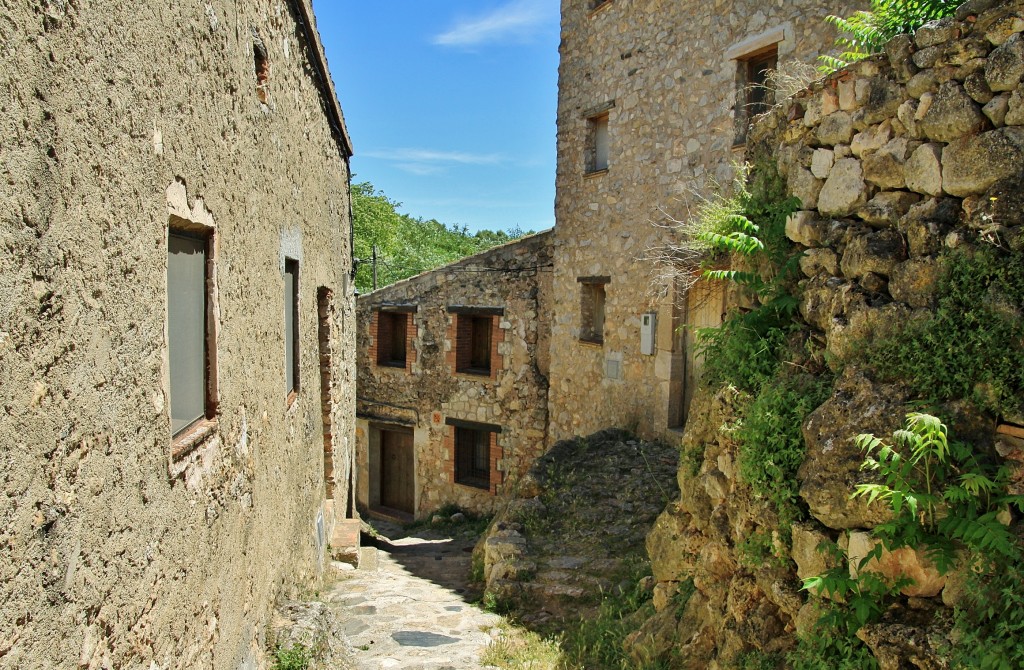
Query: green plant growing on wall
866	32
943	498
294	657
973	345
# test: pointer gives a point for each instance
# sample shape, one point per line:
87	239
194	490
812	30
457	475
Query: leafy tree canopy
407	245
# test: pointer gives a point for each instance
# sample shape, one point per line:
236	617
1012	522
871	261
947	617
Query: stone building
654	101
176	368
453	394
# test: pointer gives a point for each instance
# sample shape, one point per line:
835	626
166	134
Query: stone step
345	541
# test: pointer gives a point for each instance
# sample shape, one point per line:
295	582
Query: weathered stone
844	190
923	82
896	639
927	58
871	139
1002	204
809	552
817	261
976	87
821	163
804	186
936	32
1015	108
663	543
972	8
996	109
884	168
952	114
901	563
923	170
846	89
964	51
927	224
883	98
804	227
1006	65
831	470
972	164
1001	27
906	114
877	251
914	281
887	207
836	128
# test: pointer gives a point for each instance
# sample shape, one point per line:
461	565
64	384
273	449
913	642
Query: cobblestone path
406	605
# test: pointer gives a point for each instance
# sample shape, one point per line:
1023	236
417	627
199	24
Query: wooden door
396	471
705	307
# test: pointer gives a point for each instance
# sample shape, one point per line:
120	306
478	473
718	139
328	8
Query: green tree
406	245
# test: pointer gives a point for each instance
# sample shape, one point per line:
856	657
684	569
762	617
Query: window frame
187	437
753	95
292	331
385	357
598	129
478	435
593	307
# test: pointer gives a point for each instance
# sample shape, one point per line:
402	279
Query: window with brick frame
473	457
392	339
592	299
191	336
474	335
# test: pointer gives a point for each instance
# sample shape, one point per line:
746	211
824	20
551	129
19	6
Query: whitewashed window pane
186	329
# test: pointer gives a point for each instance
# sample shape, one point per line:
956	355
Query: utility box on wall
648	327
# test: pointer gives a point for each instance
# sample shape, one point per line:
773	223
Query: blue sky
450	104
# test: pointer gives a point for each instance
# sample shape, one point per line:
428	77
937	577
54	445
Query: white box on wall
648	328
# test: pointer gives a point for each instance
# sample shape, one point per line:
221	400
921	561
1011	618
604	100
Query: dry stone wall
117	117
666	74
510	285
897	161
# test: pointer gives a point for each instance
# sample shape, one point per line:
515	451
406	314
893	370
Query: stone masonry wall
666	74
510	285
897	160
115	117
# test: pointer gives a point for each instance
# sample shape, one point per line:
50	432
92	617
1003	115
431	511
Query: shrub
294	657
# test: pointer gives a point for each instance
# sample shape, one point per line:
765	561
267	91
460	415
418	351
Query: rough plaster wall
429	393
671	133
109	562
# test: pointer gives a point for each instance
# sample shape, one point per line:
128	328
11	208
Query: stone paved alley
406	606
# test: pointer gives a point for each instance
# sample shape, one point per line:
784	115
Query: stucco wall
427	393
669	69
115	115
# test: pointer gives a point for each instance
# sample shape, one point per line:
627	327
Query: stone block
923	82
807	552
913	281
972	164
804	227
871	139
819	261
804	186
844	190
821	162
923	170
887	207
836	128
1005	66
877	252
1015	108
951	115
902	563
847	95
996	109
977	88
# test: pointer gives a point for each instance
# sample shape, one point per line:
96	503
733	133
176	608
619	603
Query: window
592	296
392	337
597	143
594	4
190	338
474	344
473	457
755	95
291	327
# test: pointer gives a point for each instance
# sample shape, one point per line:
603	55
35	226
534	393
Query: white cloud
430	156
516	20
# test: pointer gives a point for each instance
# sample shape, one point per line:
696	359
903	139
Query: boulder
831	470
665	542
971	165
976	87
808	552
923	82
883	97
899	51
884	168
1005	66
844	190
896	643
936	32
1002	204
877	251
951	115
871	139
923	170
1015	108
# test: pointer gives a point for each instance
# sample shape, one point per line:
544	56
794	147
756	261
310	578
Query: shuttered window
291	325
473	457
187	329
